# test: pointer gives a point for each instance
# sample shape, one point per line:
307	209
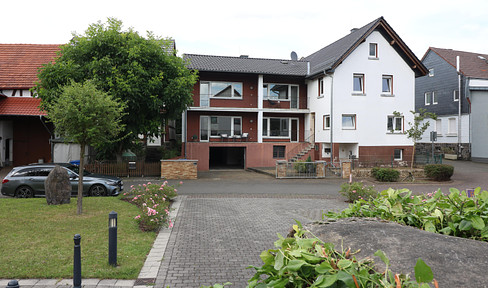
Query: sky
257	28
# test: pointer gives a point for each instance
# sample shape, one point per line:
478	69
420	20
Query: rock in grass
58	186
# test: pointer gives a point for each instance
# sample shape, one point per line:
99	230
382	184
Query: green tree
87	116
144	73
417	127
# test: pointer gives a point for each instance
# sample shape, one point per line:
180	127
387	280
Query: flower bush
385	174
154	201
357	190
454	214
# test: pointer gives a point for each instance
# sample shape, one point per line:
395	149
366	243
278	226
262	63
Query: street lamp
112	238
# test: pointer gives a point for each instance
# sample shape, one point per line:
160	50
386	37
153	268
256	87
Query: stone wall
366	173
179	169
444	148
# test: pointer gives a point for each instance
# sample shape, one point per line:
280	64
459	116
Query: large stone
455	262
58	186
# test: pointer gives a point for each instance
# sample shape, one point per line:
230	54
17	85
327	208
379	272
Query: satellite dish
294	56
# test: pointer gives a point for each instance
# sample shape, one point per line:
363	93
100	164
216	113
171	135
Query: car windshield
76	169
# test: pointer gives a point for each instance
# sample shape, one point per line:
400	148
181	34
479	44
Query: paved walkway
225	219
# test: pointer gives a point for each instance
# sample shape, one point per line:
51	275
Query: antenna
294	56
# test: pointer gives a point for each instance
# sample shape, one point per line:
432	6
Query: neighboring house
339	102
24	133
438	92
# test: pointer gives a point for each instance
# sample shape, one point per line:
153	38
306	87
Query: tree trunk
413	156
80	180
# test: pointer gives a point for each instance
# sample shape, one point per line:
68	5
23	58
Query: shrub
385	174
356	190
154	201
306	261
453	214
439	172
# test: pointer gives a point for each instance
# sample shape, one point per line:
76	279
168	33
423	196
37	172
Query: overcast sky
258	28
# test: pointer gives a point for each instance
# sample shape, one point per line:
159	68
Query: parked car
28	181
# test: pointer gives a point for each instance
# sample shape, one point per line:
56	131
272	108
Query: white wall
372	109
443	136
25	93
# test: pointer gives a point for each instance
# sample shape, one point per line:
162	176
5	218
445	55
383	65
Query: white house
354	87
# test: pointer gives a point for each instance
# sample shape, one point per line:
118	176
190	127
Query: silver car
28	181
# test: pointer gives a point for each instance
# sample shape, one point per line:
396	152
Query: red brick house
246	113
24	133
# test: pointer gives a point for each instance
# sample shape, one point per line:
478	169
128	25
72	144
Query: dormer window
373	50
431	72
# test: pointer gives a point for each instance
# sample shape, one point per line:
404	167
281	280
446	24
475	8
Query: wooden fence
126	169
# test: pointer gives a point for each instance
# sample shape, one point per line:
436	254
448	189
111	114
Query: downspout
51	138
331	118
467	94
459	107
183	136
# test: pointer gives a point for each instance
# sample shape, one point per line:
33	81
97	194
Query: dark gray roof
331	56
471	64
246	65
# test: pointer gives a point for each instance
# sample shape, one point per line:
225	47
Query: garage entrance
227	157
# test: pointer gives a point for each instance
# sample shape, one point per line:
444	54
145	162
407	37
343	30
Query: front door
294	130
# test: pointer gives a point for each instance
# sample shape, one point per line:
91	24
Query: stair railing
293	152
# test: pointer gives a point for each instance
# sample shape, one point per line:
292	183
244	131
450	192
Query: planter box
450	156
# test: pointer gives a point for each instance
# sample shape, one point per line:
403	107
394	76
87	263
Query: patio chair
236	137
245	135
224	136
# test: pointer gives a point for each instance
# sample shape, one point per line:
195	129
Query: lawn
36	239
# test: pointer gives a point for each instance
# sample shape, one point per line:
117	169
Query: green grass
36	239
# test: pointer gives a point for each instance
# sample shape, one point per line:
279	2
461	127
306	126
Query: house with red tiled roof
456	89
24	133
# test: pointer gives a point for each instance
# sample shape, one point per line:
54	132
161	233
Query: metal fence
126	169
285	169
378	161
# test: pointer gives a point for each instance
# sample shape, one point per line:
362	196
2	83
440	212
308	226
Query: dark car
28	181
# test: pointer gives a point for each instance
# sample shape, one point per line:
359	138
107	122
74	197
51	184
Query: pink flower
181	182
176	190
353	191
170	224
137	217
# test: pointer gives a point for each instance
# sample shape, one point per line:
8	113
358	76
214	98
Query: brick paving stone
215	239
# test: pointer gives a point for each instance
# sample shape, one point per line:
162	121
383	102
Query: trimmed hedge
385	174
439	172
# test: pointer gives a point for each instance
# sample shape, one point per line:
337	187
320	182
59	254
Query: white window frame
438	127
452	131
401	154
389	78
427	98
455	93
321	88
394	121
434	98
209	126
266	95
354	120
232	84
267	133
362	89
375	55
326	124
431	72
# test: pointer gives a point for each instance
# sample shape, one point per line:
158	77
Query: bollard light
13	284
77	262
112	238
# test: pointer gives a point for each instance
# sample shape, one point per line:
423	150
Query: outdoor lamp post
112	238
77	262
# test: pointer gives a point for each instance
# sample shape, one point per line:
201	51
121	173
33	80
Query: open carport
227	157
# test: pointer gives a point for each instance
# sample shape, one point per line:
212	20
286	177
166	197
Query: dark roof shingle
246	65
471	65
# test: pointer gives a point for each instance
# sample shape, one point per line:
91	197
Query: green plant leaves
423	273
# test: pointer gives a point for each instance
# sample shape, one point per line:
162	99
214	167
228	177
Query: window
456	95
218	125
321	87
398	154
428	98
395	124
434	98
279	152
326	122
220	89
452	126
349	121
358	83
373	50
438	126
279	91
387	85
431	72
276	127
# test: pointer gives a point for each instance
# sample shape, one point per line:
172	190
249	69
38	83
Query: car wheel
98	190
24	192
